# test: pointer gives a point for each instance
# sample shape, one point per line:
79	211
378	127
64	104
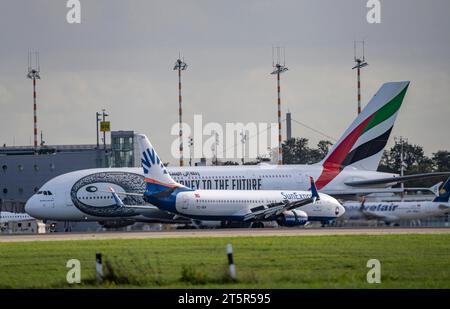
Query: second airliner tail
362	144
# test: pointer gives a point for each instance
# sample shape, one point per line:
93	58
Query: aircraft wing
272	210
265	212
371	216
390	181
123	193
120	203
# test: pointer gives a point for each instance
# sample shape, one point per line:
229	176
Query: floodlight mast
360	63
33	74
180	65
278	70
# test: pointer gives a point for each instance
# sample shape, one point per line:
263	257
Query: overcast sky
121	57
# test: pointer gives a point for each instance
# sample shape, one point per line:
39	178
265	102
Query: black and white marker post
98	267
231	262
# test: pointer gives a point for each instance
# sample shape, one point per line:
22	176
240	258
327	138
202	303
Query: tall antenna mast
360	63
278	70
33	74
180	65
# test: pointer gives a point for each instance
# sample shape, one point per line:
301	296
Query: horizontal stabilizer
389	181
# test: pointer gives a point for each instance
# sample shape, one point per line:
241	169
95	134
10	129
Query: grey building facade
23	170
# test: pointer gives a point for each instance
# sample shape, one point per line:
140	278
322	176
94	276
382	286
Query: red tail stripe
332	165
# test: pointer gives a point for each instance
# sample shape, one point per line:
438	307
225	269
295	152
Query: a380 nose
32	207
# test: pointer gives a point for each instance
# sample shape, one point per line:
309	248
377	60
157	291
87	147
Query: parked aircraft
7	217
391	212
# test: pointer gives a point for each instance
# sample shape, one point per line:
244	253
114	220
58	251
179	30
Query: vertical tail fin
444	193
362	144
155	173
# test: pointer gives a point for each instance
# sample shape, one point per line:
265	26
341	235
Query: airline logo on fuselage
149	158
380	207
295	196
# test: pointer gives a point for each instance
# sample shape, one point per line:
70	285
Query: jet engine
293	218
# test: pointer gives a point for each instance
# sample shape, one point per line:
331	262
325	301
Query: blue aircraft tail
444	193
157	178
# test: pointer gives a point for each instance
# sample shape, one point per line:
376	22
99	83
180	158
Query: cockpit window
44	192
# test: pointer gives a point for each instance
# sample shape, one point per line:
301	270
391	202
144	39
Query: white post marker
98	267
231	262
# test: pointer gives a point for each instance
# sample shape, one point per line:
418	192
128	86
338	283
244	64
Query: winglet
315	194
116	198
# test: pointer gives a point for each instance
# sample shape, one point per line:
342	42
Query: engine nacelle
293	218
207	224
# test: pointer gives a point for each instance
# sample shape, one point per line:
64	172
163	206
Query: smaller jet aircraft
391	212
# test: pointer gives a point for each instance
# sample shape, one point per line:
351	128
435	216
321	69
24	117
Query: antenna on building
360	61
243	141
288	125
278	70
216	146
180	65
191	146
401	141
42	139
33	74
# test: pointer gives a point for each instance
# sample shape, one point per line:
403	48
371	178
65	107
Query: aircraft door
68	199
301	181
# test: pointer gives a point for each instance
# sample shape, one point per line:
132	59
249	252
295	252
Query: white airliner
289	208
349	168
7	217
390	212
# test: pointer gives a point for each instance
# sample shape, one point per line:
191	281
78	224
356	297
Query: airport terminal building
25	169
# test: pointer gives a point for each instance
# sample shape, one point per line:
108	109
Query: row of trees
297	151
415	162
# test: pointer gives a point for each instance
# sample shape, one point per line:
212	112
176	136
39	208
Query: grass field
407	261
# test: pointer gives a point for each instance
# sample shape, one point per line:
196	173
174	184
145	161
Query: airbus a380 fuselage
83	195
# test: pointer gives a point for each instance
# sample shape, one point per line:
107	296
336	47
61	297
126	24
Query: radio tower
33	74
360	63
278	70
180	65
